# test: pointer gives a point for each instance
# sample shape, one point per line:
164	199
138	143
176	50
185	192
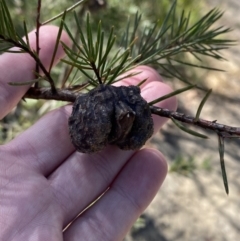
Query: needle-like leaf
202	104
176	92
189	131
221	153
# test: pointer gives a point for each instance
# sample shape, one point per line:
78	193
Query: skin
45	183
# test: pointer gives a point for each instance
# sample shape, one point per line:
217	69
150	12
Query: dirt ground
195	207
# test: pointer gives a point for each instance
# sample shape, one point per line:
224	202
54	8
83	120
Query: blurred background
192	204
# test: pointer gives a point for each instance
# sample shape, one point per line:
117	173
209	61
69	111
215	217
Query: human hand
45	183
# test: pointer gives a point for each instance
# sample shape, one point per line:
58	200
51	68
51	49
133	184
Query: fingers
112	216
17	67
147	73
48	140
46	144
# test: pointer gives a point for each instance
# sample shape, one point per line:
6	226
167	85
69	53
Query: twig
96	71
47	94
69	96
38	25
226	131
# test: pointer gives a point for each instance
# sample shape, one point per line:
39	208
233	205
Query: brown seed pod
110	115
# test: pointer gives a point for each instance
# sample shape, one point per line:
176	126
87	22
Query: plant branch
223	130
96	71
47	94
67	95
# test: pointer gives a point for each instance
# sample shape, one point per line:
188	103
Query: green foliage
188	165
202	104
161	43
186	129
9	37
93	55
109	56
184	166
221	153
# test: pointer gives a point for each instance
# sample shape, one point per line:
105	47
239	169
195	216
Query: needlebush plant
97	60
